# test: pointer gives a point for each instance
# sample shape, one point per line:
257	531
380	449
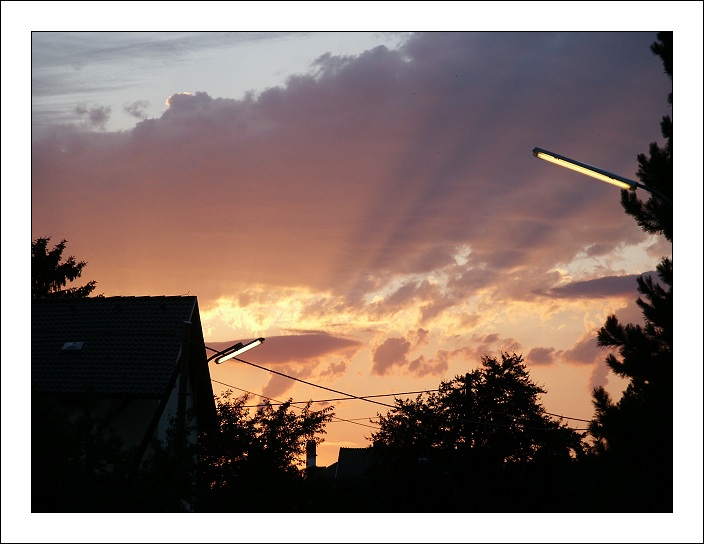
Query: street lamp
234	351
595	172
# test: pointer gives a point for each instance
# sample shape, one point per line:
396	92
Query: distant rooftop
352	462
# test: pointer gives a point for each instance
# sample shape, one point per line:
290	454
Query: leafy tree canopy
493	410
252	452
77	460
50	275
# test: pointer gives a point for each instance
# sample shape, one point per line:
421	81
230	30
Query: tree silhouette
77	462
655	215
494	409
483	442
50	275
624	431
252	460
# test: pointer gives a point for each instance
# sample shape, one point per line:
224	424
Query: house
140	360
353	462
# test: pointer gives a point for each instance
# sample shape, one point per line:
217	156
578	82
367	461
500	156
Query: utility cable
361	397
389	405
572	418
406	393
365	397
313	384
278	402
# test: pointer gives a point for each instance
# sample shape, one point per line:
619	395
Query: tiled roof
353	461
131	344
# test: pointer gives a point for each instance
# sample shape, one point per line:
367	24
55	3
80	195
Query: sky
366	201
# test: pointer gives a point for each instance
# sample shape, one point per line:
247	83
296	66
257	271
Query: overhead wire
388	405
406	393
337	418
572	418
367	398
314	384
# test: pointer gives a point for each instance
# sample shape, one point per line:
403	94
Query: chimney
310	454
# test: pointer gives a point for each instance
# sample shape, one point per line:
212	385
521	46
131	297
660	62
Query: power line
362	418
404	393
365	397
314	384
280	403
572	418
388	405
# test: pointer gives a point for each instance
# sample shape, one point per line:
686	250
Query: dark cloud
137	109
334	369
422	367
609	286
297	356
585	351
419	338
490	345
541	356
96	116
391	353
435	308
301	349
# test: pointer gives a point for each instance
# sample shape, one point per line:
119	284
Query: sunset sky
367	202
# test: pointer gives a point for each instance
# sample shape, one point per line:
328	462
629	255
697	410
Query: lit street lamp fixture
595	172
234	351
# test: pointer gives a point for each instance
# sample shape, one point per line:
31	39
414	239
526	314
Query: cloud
298	356
391	353
301	349
422	367
419	338
186	102
278	385
585	351
334	369
631	313
541	356
490	345
137	109
96	116
608	286
599	377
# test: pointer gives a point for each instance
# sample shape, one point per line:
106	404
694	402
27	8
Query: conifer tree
633	437
50	275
